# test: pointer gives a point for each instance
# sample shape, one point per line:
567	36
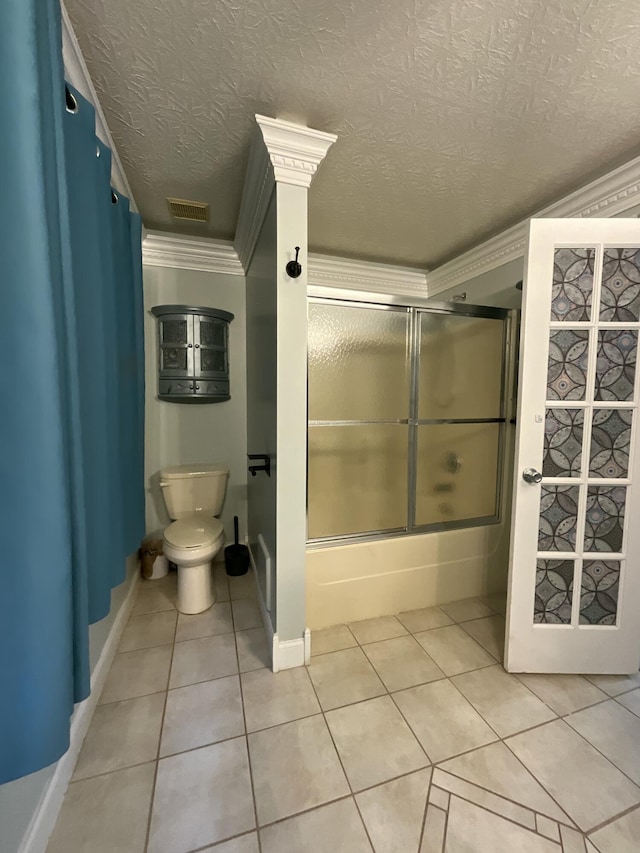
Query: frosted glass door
358	420
575	553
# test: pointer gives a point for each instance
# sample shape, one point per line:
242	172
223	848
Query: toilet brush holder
236	556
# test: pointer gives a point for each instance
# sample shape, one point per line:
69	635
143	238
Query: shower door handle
531	476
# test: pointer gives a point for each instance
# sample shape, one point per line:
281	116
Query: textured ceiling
455	118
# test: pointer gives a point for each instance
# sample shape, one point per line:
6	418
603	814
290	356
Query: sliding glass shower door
405	419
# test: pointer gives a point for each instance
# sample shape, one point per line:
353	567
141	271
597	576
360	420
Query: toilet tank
191	489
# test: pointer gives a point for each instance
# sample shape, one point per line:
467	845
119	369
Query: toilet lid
193	532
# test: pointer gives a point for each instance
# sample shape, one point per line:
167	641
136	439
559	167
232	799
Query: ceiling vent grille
182	208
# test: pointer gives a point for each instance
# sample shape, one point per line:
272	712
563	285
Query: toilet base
195	588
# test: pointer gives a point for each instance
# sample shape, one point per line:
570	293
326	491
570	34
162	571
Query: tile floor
404	735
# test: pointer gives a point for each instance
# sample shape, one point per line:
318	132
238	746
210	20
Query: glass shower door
458	421
358	419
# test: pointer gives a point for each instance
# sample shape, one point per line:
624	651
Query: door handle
530	475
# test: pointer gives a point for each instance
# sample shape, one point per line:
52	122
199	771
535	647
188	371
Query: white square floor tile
242	586
341	678
453	650
614	685
562	761
374	630
402	662
202	660
151	629
442	720
621	836
155	596
271	699
215	620
489	632
615	732
424	619
503	701
246	614
328	829
201	797
394	812
468	608
121	734
295	767
471	828
137	674
563	693
202	714
631	701
374	742
252	649
106	814
243	844
332	640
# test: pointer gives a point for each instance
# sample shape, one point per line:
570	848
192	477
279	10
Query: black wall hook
293	268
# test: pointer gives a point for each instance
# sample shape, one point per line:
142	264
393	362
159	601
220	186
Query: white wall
177	433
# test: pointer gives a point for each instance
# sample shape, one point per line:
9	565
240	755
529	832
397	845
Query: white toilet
193	495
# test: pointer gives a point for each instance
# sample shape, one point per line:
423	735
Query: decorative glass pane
610	441
457	467
616	364
174	359
572	284
558	518
567	373
174	331
357	478
358	363
605	518
563	442
212	333
620	298
460	367
554	592
212	361
599	593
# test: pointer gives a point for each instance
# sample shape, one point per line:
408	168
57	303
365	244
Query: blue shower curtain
72	389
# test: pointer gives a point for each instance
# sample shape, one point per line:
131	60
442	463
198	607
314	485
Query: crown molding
77	73
327	272
607	196
280	152
190	253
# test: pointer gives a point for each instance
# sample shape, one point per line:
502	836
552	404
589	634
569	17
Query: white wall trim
190	253
280	151
37	836
609	195
328	271
288	654
77	73
264	613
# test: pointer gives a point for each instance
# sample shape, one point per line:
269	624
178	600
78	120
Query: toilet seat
193	532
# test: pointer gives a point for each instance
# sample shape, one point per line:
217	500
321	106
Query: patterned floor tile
471	828
621	836
615	732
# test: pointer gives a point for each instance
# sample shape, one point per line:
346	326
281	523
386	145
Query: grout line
157	759
246	735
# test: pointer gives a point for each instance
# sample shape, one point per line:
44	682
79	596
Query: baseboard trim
44	819
264	613
288	654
